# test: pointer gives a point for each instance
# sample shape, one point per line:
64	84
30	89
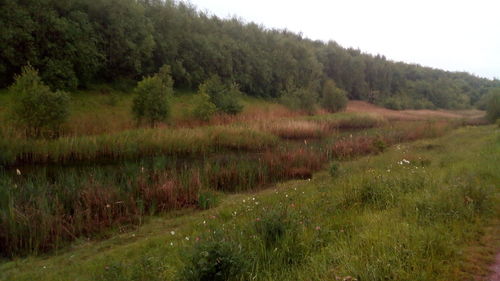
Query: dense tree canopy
76	42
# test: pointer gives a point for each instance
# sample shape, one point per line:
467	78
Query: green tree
223	96
333	98
152	100
37	109
203	109
301	99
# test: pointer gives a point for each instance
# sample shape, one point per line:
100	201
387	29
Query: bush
223	96
493	106
300	99
152	97
379	143
333	98
215	260
36	108
204	109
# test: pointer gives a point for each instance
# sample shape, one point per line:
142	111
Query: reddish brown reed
350	147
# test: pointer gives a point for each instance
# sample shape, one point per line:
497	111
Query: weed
215	259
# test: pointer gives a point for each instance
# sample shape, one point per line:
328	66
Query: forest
77	43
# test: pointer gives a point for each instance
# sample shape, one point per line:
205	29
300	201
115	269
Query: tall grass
132	144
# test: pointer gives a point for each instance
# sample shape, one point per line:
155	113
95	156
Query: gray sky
453	35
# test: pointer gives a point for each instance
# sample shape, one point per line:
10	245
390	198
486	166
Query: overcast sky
453	35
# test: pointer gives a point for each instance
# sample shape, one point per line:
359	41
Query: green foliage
223	96
38	110
334	169
152	101
203	108
215	260
273	226
146	268
379	143
207	200
333	98
76	42
301	99
281	236
493	105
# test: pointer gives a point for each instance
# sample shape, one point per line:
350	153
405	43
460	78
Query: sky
453	35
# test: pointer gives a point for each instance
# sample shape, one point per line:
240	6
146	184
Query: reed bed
133	144
296	129
43	211
349	121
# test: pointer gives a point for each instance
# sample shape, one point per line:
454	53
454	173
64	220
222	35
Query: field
269	194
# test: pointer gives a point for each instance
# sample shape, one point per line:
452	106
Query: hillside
82	42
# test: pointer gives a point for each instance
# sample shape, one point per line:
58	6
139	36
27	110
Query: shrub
36	108
204	109
152	97
300	99
379	143
215	260
333	98
223	96
493	106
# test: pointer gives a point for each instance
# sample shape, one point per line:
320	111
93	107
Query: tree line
75	43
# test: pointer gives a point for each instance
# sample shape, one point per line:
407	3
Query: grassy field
415	212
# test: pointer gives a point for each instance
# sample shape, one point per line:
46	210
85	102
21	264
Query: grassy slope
418	229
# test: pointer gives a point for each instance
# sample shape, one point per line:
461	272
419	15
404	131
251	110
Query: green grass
379	218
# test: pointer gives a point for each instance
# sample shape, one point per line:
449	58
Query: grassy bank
407	214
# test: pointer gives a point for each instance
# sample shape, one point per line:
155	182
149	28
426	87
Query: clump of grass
145	268
273	226
334	169
215	259
207	199
281	237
